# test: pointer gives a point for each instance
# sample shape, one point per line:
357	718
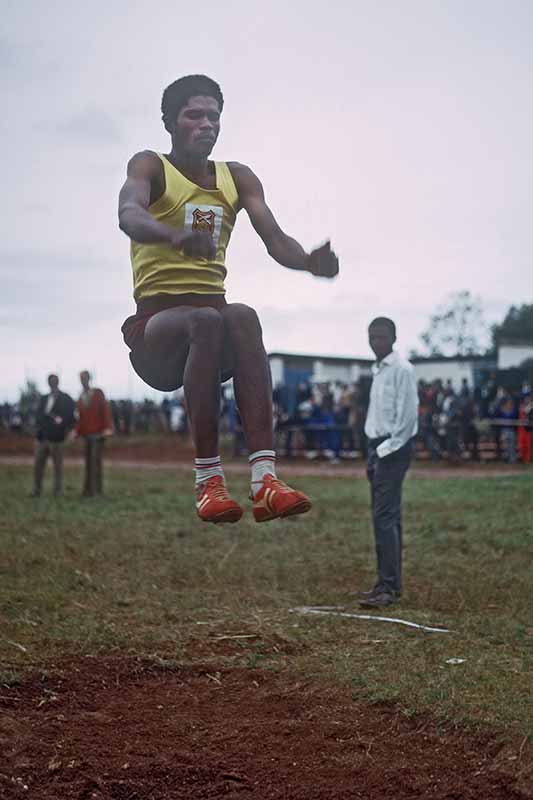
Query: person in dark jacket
55	418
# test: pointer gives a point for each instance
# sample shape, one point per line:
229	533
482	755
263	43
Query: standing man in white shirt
391	425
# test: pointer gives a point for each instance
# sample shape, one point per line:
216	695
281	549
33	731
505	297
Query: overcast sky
402	130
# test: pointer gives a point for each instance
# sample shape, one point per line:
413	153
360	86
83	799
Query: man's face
53	382
381	339
197	126
84	378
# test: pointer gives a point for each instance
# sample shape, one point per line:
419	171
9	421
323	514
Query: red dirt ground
118	729
170	452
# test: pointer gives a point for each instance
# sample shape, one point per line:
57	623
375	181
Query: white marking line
336	611
17	645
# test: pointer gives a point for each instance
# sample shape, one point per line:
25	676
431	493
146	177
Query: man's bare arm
284	249
142	187
144	170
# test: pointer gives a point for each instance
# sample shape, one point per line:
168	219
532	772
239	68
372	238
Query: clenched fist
323	262
196	244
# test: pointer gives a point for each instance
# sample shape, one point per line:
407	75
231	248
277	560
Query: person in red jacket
525	432
94	424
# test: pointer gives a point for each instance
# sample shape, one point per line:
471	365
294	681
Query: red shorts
133	327
133	331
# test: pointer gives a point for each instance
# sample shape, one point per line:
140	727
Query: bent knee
239	316
205	323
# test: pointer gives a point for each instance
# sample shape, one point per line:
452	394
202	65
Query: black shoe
379	600
370	593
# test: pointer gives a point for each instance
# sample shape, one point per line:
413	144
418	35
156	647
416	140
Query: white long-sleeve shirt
393	408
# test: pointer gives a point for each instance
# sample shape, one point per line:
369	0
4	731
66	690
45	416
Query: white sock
262	462
206	468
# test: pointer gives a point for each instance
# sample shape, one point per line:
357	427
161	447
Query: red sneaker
276	499
213	503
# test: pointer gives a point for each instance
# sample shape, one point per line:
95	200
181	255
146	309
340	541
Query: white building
513	354
291	369
453	368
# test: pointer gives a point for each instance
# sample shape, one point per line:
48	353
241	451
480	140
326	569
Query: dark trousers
94	446
43	450
386	477
471	440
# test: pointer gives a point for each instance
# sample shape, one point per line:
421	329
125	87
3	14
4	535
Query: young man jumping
179	211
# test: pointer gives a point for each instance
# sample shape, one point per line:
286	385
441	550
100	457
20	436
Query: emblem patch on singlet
203	221
204	218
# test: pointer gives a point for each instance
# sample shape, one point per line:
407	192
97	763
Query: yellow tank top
161	268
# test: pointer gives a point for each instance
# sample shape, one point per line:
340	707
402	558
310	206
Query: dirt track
171	452
319	469
117	729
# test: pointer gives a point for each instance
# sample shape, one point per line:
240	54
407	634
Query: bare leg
253	392
251	375
187	343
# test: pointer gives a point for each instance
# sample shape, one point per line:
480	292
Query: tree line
458	327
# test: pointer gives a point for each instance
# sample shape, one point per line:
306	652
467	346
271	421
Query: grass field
136	573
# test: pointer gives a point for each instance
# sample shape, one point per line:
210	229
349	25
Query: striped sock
206	468
262	462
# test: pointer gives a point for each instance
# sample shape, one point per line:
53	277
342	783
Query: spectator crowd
455	423
326	420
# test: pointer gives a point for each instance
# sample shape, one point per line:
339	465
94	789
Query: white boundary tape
338	611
